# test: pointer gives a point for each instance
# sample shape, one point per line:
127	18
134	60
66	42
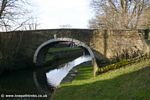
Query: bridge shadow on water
129	86
28	84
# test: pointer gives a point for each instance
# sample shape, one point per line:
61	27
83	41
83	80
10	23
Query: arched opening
44	47
77	42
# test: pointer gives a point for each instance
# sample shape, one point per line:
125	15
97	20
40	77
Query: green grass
53	50
127	83
62	53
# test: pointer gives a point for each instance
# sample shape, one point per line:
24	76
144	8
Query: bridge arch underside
42	50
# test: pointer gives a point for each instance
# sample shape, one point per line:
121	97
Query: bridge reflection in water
40	81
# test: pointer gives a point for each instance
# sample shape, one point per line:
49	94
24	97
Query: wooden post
95	67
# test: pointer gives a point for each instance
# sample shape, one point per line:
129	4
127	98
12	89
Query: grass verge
127	83
64	49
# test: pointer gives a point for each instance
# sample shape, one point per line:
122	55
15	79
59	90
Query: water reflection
24	81
54	77
36	81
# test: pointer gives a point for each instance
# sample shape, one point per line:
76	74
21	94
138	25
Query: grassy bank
62	49
59	53
57	56
127	83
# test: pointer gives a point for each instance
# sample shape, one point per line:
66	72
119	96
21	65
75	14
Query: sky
57	13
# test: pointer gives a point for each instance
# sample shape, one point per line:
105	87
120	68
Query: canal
39	83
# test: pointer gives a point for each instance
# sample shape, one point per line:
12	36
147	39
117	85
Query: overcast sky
55	13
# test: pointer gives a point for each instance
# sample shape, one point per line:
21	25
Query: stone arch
77	42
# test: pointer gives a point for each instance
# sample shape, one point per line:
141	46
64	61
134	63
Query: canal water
54	77
36	83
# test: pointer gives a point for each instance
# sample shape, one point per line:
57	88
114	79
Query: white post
55	36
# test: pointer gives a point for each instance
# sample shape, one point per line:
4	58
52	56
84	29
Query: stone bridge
25	49
101	44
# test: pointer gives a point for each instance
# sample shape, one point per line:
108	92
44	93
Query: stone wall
115	43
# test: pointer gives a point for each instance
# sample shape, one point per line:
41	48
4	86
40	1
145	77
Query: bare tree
145	22
118	14
65	26
13	14
32	24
